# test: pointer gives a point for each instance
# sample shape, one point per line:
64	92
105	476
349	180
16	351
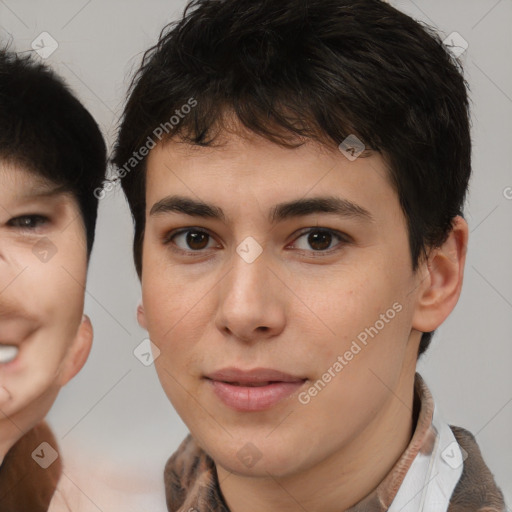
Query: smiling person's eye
320	240
28	221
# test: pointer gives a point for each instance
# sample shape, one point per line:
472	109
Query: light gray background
115	409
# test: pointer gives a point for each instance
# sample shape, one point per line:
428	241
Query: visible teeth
8	353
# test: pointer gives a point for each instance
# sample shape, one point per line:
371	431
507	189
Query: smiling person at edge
299	237
52	157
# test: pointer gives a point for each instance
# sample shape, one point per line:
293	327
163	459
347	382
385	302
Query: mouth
257	389
8	353
16	331
252	384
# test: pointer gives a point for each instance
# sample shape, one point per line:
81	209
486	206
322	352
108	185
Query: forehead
24	183
245	171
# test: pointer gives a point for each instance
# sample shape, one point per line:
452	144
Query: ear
78	352
442	277
141	316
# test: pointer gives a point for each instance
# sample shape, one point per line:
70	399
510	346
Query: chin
260	469
257	459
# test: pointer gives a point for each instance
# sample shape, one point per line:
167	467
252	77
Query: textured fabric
191	479
25	486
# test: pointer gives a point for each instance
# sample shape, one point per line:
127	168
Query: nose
251	301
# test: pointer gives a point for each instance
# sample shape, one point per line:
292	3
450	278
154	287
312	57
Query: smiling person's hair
46	130
321	69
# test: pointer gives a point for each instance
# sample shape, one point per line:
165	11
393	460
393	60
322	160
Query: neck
339	481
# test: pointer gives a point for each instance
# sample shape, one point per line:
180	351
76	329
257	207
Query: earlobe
141	316
441	285
78	352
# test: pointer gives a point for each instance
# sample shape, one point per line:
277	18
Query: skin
41	303
294	310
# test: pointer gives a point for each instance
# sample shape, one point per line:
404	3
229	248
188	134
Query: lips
252	376
251	384
255	389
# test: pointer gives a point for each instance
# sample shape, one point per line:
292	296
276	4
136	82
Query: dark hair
45	129
321	69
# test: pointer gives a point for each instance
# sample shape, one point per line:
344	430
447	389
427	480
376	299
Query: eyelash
12	222
342	238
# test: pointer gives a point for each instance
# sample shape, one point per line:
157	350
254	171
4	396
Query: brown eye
320	240
189	240
197	240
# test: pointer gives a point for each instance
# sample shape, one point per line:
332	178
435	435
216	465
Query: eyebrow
279	212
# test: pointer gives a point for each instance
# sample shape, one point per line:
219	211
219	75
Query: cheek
162	308
174	303
337	307
67	277
363	319
59	288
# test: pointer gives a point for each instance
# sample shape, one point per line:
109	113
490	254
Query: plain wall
115	408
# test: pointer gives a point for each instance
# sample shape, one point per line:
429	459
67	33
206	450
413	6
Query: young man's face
214	305
43	265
